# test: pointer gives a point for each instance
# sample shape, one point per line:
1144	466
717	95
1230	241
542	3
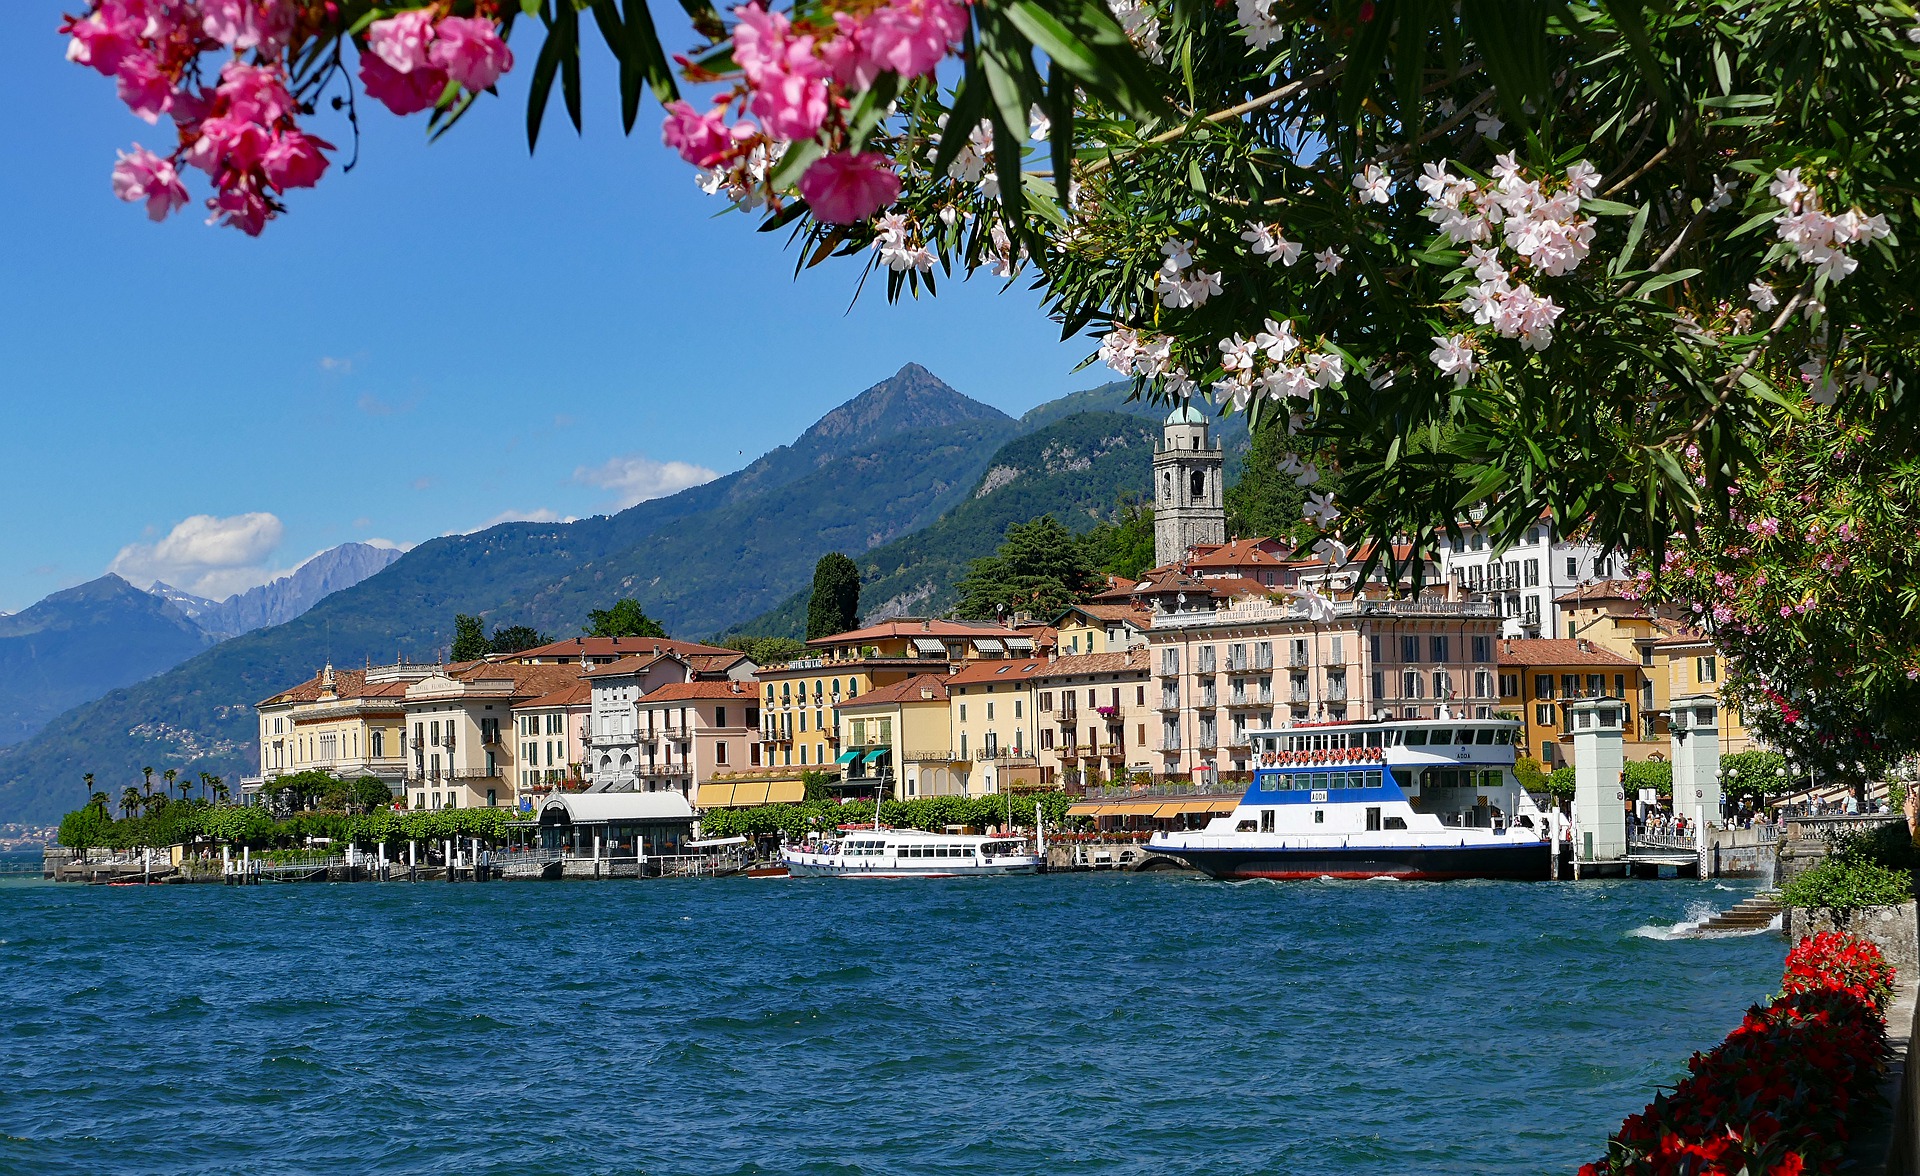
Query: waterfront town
1147	681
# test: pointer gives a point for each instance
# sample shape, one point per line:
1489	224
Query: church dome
1186	414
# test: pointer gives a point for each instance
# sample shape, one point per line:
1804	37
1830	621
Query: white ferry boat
910	853
1389	798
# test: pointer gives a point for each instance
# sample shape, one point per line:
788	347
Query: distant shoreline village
1136	709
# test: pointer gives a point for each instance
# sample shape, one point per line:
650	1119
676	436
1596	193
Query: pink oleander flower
293	160
140	175
402	93
254	93
248	24
104	37
143	87
704	140
791	106
470	50
402	40
911	37
228	144
241	206
787	80
844	189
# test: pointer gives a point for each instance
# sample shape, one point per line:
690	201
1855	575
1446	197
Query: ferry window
1416	738
1484	735
1466	736
1319	816
1503	736
1320	781
1373	739
1244	827
1396	822
1266	820
1443	735
1373	820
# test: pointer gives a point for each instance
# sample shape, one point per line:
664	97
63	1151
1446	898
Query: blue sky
447	335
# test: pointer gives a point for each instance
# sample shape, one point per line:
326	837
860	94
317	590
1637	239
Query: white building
1523	581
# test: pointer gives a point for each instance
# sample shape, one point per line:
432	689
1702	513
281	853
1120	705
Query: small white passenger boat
910	853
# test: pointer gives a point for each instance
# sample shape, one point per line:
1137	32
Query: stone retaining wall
1894	930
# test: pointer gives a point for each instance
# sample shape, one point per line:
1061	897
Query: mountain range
281	600
910	477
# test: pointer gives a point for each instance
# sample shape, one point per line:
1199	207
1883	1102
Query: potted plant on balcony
1109	713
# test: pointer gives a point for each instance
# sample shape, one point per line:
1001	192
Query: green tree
1654	774
370	794
1124	546
1266	499
1040	568
835	604
171	774
624	619
469	638
129	801
514	638
1560	784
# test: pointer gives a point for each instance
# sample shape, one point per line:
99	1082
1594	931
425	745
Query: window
1706	669
1543	714
1437	649
379	744
1409	649
1206	660
1017	708
963	712
1543	686
1379	684
1339	648
1170	660
803	753
492	801
1533	573
1046	700
1573	567
1509	685
1046	738
1139	696
1483	649
1483	683
720	752
1373	646
989	710
719	716
1442	684
803	720
1410	684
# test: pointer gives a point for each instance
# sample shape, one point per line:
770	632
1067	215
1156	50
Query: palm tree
89	779
129	801
219	787
171	774
148	773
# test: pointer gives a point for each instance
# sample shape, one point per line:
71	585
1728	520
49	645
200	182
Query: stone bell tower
1188	503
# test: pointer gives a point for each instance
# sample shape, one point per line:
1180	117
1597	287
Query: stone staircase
1749	914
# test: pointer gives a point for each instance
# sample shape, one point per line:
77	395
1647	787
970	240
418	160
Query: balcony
1298	661
1066	716
1243	701
1167	671
432	776
655	770
1168	704
1006	755
942	755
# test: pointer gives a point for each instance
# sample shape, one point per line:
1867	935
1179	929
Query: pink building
551	733
688	731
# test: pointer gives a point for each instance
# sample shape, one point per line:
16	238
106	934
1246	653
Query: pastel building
348	722
550	733
461	735
1096	717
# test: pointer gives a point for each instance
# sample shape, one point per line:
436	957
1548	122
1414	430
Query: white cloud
637	478
338	365
206	555
389	544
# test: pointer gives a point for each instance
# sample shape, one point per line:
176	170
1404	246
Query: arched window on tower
1199	485
1167	487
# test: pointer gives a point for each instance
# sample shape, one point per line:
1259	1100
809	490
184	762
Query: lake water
1068	1024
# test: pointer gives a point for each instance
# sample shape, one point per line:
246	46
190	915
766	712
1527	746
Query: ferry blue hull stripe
1522	863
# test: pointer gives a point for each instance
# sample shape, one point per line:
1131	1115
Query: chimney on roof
926	625
1585	646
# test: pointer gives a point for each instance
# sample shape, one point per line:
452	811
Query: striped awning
930	645
989	645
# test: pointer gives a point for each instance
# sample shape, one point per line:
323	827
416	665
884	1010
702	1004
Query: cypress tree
835	605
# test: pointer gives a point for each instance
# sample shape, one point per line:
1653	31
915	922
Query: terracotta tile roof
910	627
1559	651
712	663
1685	636
347	684
686	691
578	694
1139	618
528	681
600	647
1260	551
909	690
1132	661
1235	587
629	665
1010	669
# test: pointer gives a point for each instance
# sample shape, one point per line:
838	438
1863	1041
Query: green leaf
1662	281
542	85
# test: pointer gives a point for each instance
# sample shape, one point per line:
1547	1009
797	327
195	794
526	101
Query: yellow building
994	725
797	700
1100	628
1676	661
347	722
1541	679
896	741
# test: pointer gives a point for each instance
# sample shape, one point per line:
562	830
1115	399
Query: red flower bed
1780	1095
